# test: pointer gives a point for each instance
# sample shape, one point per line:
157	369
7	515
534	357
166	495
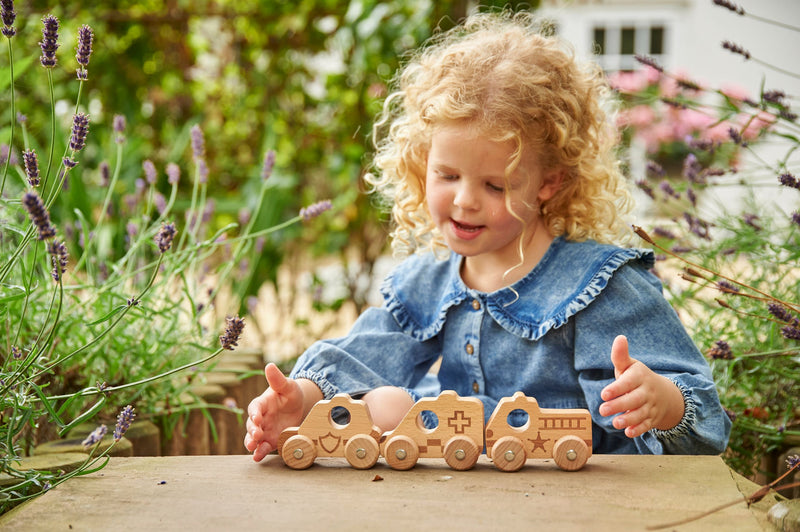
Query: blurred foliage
303	78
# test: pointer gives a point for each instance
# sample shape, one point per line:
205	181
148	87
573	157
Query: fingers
620	356
275	378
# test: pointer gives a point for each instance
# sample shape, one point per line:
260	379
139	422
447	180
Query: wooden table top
611	492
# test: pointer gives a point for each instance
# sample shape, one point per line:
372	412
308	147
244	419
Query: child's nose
466	197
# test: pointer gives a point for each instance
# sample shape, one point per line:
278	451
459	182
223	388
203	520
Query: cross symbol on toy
458	421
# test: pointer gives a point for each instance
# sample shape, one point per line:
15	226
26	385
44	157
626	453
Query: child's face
466	195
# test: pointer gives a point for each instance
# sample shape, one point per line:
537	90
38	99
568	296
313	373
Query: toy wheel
508	454
461	453
401	453
362	451
571	453
298	452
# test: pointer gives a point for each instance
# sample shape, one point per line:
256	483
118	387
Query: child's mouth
466	231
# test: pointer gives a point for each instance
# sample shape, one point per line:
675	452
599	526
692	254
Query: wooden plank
219	492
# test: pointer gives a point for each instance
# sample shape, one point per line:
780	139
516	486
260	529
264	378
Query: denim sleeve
632	304
375	353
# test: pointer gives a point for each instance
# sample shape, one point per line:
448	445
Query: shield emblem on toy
329	442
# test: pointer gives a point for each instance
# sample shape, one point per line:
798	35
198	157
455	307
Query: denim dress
548	335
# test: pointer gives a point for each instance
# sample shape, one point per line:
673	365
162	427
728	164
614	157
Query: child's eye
448	177
496	188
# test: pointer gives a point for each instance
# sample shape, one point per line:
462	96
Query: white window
616	44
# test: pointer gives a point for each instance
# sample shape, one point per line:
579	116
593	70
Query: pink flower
735	92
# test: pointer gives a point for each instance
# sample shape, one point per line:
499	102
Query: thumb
620	356
275	378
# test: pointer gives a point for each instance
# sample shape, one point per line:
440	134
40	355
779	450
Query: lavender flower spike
59	258
31	167
150	173
314	210
80	128
49	42
165	236
124	420
198	142
83	51
38	214
119	128
8	15
173	173
95	436
232	333
269	163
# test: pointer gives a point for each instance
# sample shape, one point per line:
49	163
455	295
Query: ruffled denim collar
569	277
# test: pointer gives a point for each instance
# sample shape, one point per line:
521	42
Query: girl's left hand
643	398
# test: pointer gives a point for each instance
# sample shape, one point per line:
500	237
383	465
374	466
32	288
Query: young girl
499	162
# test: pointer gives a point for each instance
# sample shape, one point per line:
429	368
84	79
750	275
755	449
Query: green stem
13	117
52	129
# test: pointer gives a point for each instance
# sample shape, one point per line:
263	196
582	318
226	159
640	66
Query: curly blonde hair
499	73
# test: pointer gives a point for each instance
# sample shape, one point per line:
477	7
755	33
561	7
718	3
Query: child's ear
551	184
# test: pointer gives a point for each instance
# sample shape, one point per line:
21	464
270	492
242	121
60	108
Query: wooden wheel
362	451
508	454
298	452
401	453
461	453
571	453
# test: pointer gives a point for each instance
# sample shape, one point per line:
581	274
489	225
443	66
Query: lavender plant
739	281
87	330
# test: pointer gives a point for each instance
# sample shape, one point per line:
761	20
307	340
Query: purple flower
783	314
165	236
150	173
730	5
16	352
31	167
736	49
728	288
80	127
8	15
793	461
692	168
788	180
124	420
774	96
119	128
654	169
105	174
84	50
160	202
49	42
198	142
648	61
202	171
796	218
58	258
232	333
721	351
5	153
791	333
312	211
736	137
95	436
69	163
269	163
750	219
664	233
667	189
173	173
38	214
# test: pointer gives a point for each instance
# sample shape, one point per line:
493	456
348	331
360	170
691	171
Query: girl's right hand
279	407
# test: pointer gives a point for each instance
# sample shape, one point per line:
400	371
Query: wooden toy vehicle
564	434
320	435
458	437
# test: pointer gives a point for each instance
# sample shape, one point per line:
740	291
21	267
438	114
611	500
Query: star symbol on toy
538	442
